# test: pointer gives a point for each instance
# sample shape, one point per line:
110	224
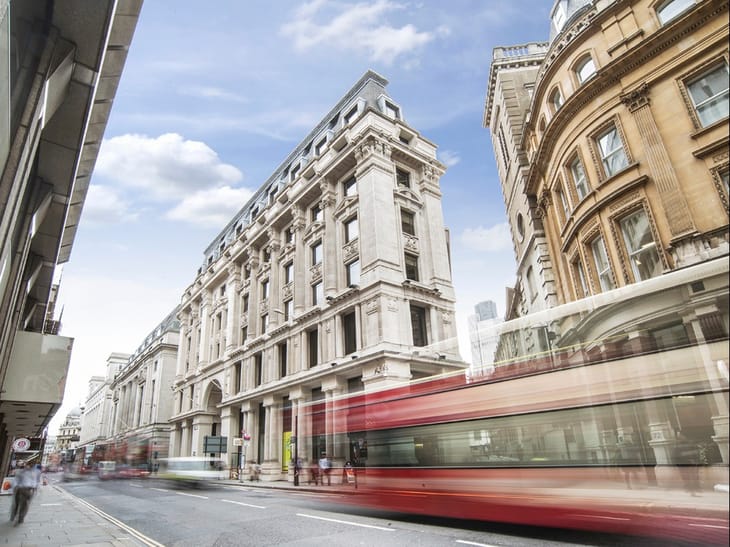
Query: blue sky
213	98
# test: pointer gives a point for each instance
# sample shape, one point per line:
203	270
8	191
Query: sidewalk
57	518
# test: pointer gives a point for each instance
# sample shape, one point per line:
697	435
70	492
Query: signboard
215	445
237	441
21	445
7	486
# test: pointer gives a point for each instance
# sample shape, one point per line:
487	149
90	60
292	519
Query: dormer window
558	17
585	68
319	147
391	110
294	171
350	115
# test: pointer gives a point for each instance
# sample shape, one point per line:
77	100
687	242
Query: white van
107	470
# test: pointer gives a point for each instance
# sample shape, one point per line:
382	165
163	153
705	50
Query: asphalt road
239	515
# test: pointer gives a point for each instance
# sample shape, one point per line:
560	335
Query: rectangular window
316	253
579	178
317	294
352	230
288	236
349	187
288	272
349	328
316	213
709	95
265	289
313	347
411	263
403	178
319	147
352	271
613	155
244	304
258	369
640	244
244	333
288	310
236	377
582	289
603	267
350	115
563	200
408	222
282	350
418	326
264	323
391	110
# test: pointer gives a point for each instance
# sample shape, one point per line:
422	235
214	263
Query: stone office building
334	278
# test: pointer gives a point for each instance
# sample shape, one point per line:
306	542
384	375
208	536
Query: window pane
403	178
710	95
407	222
411	267
612	152
579	177
353	273
603	268
350	187
586	69
669	10
316	253
418	326
351	230
641	247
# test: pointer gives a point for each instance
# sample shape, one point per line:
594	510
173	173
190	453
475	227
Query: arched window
556	99
585	68
666	11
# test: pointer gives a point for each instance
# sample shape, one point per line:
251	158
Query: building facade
334	278
625	148
60	73
141	398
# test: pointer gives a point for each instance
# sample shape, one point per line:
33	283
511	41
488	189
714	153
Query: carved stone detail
372	306
637	98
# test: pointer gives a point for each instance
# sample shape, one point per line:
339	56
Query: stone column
254	297
330	240
174	451
201	428
300	262
276	314
183	354
674	204
233	291
204	342
229	429
185	439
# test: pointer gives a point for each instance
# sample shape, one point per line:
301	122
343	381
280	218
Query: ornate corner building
334	278
60	64
612	142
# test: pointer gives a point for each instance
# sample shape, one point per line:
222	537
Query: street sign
237	441
21	445
216	445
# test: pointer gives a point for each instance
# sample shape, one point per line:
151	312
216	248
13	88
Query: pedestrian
313	473
325	466
25	485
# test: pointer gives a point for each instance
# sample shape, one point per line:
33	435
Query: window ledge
704	130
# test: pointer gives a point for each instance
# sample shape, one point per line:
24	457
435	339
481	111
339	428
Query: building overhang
35	382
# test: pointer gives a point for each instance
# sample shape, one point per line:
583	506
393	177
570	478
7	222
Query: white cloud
104	205
496	238
215	93
166	168
211	208
358	27
449	158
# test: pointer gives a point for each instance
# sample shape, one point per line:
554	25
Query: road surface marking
708	526
192	495
474	543
136	485
137	534
160	489
50	504
347	522
245	504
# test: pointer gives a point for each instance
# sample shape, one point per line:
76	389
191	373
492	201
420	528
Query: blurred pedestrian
325	466
25	485
313	473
